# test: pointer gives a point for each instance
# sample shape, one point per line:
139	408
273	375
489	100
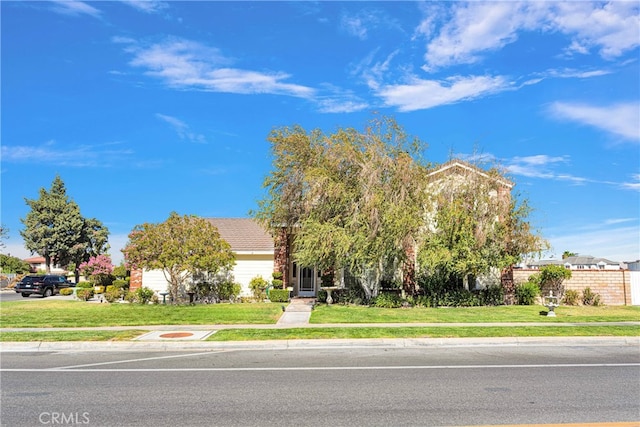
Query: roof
243	234
35	260
577	260
459	166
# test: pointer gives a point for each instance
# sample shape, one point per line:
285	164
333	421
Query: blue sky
144	108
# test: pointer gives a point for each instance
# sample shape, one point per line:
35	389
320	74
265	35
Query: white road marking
82	368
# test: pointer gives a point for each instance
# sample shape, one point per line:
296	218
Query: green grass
341	333
499	314
43	314
29	336
422	332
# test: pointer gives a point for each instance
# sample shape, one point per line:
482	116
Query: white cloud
634	184
103	155
186	64
620	119
181	128
75	8
475	28
420	94
146	6
472	29
611	27
617	244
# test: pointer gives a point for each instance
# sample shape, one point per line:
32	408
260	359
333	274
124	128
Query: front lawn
499	314
55	314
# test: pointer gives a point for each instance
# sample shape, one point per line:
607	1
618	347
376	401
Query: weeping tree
351	199
181	247
475	225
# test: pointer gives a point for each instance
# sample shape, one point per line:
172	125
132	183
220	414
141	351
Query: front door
307	284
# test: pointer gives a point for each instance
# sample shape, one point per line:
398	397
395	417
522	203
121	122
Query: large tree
11	264
94	241
475	225
54	224
55	229
181	246
353	199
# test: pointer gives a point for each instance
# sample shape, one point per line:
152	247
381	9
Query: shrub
84	285
387	300
590	298
120	284
141	296
277	280
491	295
571	297
66	291
322	296
258	285
228	290
99	289
112	293
84	294
526	293
279	295
144	295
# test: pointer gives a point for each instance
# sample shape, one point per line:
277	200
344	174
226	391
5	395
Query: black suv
45	285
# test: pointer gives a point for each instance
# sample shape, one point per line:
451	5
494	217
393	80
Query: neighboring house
578	262
252	246
38	263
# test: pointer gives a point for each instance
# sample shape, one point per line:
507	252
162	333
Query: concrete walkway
297	313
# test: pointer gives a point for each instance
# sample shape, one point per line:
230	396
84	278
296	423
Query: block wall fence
613	286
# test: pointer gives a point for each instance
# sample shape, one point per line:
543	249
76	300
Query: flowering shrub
98	269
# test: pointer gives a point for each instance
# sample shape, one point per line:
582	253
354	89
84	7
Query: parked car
40	284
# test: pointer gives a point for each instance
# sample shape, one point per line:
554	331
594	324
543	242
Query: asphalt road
473	385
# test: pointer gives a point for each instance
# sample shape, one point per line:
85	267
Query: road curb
86	346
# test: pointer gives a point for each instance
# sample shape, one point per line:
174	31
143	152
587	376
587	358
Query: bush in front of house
279	295
112	293
571	297
228	290
66	291
84	294
277	281
590	298
141	296
258	287
387	300
84	285
121	284
527	292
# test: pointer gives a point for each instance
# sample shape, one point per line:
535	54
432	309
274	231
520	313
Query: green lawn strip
500	314
29	336
42	314
422	332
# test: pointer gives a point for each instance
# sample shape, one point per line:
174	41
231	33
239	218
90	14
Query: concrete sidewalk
417	343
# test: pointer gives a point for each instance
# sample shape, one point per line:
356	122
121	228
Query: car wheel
47	292
25	295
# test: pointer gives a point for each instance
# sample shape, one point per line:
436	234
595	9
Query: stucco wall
247	267
613	286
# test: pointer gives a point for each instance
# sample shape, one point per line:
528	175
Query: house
260	254
251	245
578	262
38	263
